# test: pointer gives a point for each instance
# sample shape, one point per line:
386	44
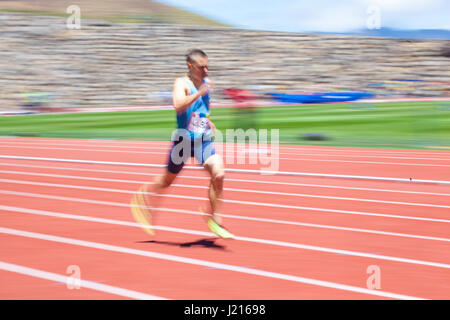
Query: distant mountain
399	34
125	11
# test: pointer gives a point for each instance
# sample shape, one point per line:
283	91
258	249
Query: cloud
397	6
413	14
335	16
322	15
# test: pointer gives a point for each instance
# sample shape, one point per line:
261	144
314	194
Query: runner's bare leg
160	184
214	165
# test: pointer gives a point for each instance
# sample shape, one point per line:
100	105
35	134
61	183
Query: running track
66	203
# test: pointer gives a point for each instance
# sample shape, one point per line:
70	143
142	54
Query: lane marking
299	148
314	225
245	239
167	147
243	157
83	283
204	263
229	179
264	172
110	203
193	187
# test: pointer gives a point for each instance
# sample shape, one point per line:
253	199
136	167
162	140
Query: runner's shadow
206	243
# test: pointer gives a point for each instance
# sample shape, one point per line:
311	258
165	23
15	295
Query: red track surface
297	237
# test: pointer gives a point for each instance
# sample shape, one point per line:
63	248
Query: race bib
199	122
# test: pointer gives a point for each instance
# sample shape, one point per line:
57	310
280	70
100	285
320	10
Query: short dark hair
193	53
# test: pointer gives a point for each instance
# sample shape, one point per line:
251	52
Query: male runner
191	139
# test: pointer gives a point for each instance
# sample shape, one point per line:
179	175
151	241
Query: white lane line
243	157
332	197
83	283
166	143
51	175
362	156
245	239
262	172
83	149
301	195
204	263
118	204
165	148
373	152
298	150
311	225
228	179
370	162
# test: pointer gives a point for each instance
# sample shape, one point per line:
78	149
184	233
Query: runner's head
197	62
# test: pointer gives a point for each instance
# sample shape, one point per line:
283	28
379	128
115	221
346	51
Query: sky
323	15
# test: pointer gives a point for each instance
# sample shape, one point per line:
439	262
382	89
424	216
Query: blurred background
127	53
85	85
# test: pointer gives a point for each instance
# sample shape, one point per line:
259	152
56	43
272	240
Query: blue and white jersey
195	118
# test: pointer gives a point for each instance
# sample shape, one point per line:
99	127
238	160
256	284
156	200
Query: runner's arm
181	100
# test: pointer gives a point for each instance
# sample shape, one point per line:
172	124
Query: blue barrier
321	97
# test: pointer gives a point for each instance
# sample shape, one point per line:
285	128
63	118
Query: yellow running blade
141	212
221	232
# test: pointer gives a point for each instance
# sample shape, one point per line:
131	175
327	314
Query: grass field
411	125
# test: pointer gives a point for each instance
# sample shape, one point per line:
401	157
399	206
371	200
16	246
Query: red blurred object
240	95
